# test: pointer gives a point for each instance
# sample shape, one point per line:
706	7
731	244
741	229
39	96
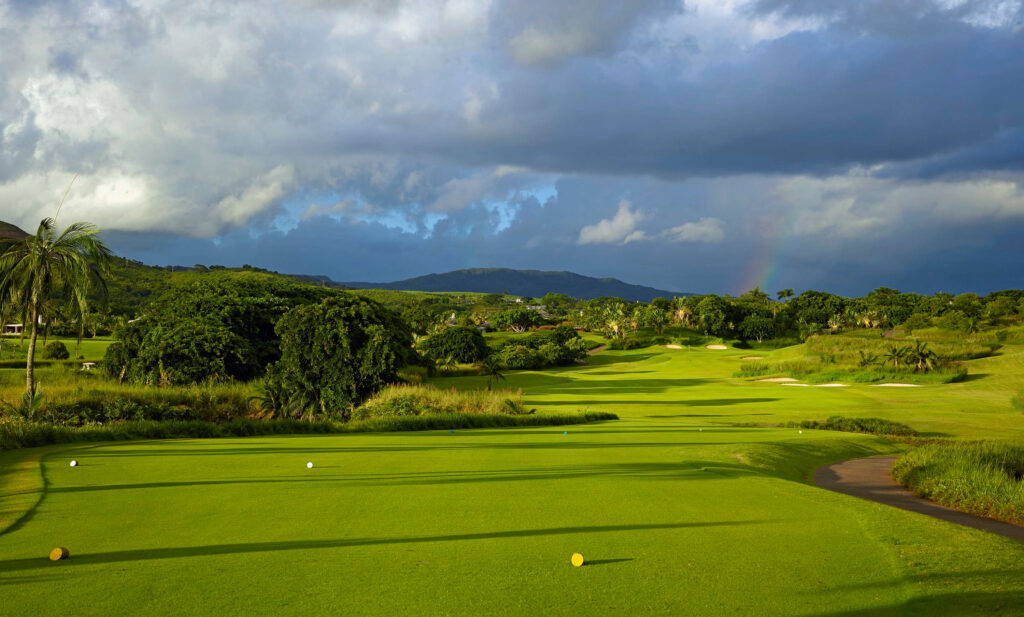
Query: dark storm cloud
685	145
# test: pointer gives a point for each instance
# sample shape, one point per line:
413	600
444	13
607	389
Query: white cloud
620	229
706	229
856	204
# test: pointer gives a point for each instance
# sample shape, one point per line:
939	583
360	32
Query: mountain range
532	283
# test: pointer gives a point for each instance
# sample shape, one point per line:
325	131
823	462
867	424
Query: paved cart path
869	478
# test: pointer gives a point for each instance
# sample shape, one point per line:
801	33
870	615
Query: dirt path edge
869	478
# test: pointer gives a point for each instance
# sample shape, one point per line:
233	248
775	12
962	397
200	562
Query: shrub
874	426
460	343
1018	400
638	342
979	478
56	350
519	357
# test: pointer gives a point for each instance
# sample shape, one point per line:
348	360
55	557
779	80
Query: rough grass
420	400
845	347
76	397
873	426
816	370
15	435
982	478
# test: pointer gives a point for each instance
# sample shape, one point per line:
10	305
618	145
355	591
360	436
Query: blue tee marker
565	432
451	430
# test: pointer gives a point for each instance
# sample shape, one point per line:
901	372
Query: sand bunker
752	358
672	346
897	385
715	347
778	379
820	385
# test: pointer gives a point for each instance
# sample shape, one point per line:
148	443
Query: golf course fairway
671	520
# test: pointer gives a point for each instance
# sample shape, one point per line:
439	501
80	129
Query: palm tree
615	320
895	355
492	368
923	358
785	294
70	266
867	358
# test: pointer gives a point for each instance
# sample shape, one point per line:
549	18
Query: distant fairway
671	520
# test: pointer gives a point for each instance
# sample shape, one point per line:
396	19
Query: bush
462	344
56	350
337	353
979	478
519	357
638	342
874	426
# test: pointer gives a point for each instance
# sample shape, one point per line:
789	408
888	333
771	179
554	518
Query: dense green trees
517	320
336	353
462	344
559	346
214	328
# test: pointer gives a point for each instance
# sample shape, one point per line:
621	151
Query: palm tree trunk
30	382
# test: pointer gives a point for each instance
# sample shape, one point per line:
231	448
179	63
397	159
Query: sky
696	146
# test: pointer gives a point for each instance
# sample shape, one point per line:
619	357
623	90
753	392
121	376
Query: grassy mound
983	478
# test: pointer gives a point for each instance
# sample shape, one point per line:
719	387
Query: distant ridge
532	283
8	231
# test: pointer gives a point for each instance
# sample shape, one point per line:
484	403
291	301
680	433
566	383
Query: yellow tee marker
59	553
577	559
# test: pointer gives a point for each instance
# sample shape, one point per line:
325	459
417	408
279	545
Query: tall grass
26	435
979	478
423	400
845	348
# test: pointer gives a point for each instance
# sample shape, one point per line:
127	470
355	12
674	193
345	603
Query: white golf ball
74	463
309	465
700	430
801	432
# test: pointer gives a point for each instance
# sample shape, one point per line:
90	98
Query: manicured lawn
697	386
91	349
674	521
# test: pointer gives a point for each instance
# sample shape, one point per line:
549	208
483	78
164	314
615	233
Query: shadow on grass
966	604
455	437
601	562
690	470
709	415
973	377
707	402
85	559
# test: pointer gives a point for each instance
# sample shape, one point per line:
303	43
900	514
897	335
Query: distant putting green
671	520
